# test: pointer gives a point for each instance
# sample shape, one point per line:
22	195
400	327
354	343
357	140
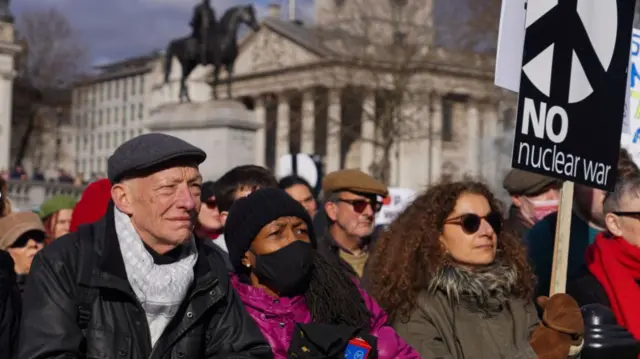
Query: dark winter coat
10	307
211	322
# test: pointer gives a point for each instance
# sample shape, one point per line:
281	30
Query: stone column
334	132
8	50
282	127
495	143
308	122
6	89
367	148
435	139
473	139
260	113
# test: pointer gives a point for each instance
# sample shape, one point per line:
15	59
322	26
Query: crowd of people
155	262
59	175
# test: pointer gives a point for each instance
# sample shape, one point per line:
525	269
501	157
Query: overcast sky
117	29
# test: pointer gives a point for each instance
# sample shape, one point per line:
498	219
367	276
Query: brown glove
560	334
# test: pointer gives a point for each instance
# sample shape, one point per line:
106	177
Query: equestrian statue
211	43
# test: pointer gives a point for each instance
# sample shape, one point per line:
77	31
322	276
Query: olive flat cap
148	151
354	181
522	183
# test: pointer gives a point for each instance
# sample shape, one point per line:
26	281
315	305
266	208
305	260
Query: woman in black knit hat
283	280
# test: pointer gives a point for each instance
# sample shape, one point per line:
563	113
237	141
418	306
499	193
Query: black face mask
286	270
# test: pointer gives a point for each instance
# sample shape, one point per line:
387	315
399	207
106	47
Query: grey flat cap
521	183
148	151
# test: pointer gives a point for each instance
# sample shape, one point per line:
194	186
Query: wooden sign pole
562	239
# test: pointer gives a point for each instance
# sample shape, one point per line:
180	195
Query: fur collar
483	288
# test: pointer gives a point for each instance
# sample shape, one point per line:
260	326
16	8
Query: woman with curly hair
287	285
456	286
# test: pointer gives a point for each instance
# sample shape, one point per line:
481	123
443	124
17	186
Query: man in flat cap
352	199
533	197
137	283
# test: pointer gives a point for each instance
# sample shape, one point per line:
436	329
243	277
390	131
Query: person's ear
246	261
223	217
516	201
331	209
122	196
613	224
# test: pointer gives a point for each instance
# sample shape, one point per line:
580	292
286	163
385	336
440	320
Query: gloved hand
560	334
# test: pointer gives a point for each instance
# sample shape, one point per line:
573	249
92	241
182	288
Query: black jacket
10	307
211	323
588	290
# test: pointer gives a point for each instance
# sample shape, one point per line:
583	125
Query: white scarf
159	288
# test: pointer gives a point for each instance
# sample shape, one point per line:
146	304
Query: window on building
142	84
117	89
108	116
84	166
139	131
107	140
115	115
78	140
124	89
115	138
99	118
109	90
99	142
132	115
133	85
140	111
447	120
132	134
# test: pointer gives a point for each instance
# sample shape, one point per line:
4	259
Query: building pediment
270	50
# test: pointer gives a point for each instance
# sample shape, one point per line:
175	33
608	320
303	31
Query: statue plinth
224	129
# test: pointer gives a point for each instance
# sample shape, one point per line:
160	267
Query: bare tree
52	58
469	25
386	51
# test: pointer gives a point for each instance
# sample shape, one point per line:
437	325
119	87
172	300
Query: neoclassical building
321	89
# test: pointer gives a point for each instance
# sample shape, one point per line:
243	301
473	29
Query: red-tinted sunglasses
211	204
360	205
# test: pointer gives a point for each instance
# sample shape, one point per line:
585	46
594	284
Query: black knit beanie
249	215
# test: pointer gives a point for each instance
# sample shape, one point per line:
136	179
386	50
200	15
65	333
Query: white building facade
287	74
109	109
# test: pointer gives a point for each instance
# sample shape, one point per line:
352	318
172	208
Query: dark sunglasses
360	205
22	241
471	222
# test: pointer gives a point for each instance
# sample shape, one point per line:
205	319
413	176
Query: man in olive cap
352	199
137	282
533	197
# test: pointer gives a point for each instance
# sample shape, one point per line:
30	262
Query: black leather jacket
211	323
10	307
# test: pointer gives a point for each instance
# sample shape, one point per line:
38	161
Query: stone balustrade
27	195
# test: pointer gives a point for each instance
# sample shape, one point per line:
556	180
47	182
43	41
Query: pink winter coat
277	318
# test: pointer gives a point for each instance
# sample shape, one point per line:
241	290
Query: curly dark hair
409	254
333	297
